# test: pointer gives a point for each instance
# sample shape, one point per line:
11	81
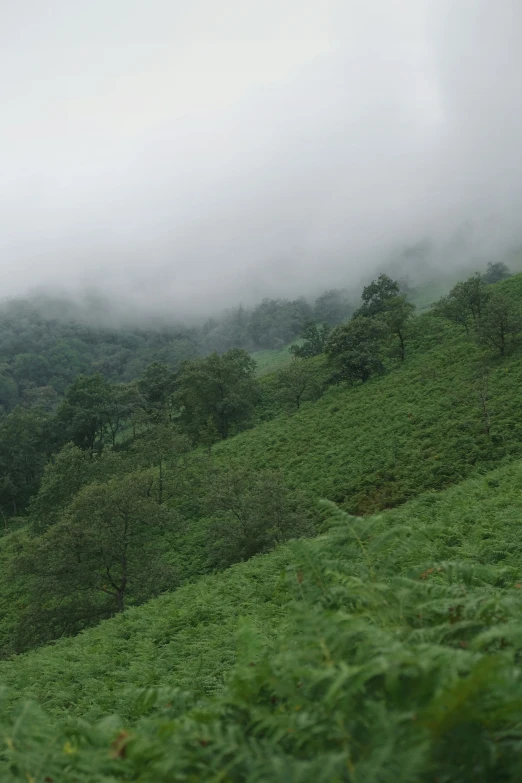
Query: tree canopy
354	349
221	389
377	295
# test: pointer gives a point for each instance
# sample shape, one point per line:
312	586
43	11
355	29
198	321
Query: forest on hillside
118	492
260	391
46	343
115	476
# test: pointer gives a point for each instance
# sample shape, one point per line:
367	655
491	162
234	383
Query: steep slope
392	643
422	426
388	648
372	446
185	638
270	360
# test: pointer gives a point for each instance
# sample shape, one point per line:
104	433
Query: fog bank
185	156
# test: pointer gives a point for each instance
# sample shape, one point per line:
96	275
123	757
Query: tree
132	407
452	309
396	316
473	294
8	389
297	382
156	386
354	349
315	337
228	332
121	405
208	435
156	445
64	476
500	325
332	307
103	549
24	451
495	272
220	388
383	299
82	413
377	295
43	397
465	302
29	369
253	511
275	322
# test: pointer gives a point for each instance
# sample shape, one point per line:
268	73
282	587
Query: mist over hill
180	160
260	361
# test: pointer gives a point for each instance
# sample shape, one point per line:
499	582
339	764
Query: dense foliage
426	423
45	344
449	409
387	648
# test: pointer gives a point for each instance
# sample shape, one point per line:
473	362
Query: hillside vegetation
45	342
270	360
449	409
421	426
372	648
387	648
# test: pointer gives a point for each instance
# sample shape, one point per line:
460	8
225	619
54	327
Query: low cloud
183	159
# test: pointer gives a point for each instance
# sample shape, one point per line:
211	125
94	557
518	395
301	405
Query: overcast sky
208	150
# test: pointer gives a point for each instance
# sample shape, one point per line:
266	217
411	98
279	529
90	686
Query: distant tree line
43	349
41	354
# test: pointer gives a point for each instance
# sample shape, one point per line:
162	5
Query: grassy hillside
406	624
425	295
366	447
419	427
270	360
187	638
388	648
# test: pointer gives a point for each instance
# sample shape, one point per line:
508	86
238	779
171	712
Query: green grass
387	649
13	591
269	360
421	604
188	638
419	427
366	447
425	295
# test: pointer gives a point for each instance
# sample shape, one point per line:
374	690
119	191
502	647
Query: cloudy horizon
167	151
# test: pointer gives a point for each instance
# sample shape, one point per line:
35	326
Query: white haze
183	155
